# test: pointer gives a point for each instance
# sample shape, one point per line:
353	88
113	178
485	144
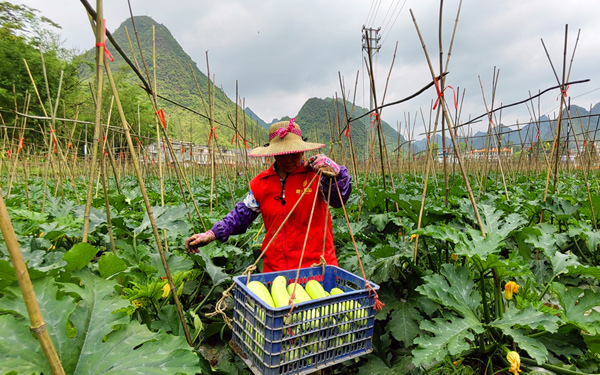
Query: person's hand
198	240
322	163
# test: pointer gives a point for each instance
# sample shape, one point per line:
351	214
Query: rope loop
440	93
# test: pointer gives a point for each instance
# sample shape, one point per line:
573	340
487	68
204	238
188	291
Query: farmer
275	191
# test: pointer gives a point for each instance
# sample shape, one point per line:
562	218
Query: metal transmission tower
371	38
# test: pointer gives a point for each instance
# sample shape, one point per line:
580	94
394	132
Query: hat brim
281	148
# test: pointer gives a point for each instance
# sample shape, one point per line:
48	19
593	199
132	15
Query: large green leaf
566	343
497	222
470	241
55	313
169	218
404	324
216	273
105	342
16	341
450	337
79	256
381	220
548	241
578	307
376	366
454	289
110	264
589	234
136	350
562	208
7	273
579	270
532	319
386	268
528	317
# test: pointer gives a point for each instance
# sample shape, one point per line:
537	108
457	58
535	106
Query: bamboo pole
19	146
441	110
492	128
136	165
459	157
559	120
38	326
99	31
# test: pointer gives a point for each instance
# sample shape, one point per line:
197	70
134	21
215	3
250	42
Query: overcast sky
285	52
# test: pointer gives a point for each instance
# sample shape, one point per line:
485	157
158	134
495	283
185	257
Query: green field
110	308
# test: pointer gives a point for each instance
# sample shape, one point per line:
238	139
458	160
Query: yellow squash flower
413	237
515	362
166	290
137	303
510	288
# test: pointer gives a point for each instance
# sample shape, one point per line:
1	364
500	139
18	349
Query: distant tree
25	36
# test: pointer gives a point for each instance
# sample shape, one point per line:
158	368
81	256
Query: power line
375	13
391	27
370	10
388	11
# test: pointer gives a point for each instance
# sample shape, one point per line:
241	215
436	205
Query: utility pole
370	44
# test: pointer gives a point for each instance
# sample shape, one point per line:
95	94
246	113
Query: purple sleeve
344	182
235	222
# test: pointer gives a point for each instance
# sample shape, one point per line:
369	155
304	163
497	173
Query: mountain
583	122
176	82
179	79
322	120
254	117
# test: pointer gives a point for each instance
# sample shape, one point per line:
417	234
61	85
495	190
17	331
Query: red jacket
285	251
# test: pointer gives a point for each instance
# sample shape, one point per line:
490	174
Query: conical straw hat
285	137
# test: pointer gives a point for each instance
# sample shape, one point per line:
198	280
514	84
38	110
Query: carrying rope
378	305
322	261
221	305
312	211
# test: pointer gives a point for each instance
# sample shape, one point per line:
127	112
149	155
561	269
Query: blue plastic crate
318	333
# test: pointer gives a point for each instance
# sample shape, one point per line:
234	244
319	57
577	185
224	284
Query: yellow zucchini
315	289
261	292
301	295
280	295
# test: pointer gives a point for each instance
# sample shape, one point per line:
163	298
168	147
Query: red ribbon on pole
376	118
8	152
440	93
109	56
348	131
122	156
53	139
21	144
213	133
238	136
161	117
563	92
